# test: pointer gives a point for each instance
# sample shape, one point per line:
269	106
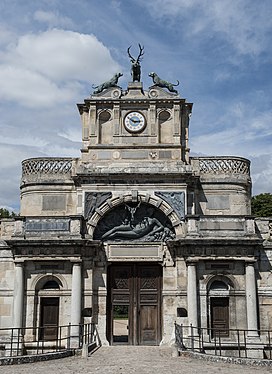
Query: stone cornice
141	100
215	248
53	249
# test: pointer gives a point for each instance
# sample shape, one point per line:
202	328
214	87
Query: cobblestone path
130	360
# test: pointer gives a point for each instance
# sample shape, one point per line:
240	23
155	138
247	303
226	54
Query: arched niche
165	127
105	127
51	285
48	282
220	284
134	221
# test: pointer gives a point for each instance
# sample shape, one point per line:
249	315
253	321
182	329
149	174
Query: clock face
134	122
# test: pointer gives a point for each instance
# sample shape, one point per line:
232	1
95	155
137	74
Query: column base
74	342
15	347
255	347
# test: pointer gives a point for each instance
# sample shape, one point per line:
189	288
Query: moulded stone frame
151	199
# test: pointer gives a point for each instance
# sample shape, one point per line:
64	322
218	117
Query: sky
53	51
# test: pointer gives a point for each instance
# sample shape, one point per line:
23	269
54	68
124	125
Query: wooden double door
134	304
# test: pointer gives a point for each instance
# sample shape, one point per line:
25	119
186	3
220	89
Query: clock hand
135	120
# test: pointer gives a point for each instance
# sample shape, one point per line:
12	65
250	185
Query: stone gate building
136	234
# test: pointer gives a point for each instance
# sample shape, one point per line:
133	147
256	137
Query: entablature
219	249
55	250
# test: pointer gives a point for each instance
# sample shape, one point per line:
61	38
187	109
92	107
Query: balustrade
222	165
46	166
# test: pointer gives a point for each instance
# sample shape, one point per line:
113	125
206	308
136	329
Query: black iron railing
49	339
231	342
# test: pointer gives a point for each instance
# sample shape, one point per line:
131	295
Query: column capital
250	262
191	262
19	263
76	261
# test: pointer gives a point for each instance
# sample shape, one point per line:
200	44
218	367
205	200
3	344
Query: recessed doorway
134	304
220	316
49	319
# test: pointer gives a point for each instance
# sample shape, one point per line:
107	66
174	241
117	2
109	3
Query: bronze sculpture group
136	76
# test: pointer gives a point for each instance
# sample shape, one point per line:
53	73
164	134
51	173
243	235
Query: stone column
100	300
75	303
18	296
251	299
192	294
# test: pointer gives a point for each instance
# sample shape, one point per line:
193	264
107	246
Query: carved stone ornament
153	93
134	221
93	200
116	93
175	199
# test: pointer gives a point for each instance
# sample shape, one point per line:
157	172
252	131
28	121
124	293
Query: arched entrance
48	294
219	306
133	231
134	304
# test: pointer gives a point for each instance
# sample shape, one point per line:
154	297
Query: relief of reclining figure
148	227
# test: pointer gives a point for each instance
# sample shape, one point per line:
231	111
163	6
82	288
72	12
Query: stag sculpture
135	64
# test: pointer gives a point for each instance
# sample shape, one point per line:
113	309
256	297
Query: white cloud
30	88
45	69
6	35
52	19
242	130
62	55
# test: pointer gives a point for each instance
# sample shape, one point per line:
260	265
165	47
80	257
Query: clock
134	122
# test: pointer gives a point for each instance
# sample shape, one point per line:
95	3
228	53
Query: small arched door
219	308
49	310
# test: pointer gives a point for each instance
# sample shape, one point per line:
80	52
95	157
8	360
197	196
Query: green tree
5	213
261	205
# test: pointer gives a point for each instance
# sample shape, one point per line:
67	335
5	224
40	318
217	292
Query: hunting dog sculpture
164	84
110	83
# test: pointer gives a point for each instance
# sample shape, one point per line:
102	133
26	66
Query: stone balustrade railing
221	165
50	165
49	169
61	167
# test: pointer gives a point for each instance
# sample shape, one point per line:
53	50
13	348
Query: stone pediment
135	90
109	93
156	92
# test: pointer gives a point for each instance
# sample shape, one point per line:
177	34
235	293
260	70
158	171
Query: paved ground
131	360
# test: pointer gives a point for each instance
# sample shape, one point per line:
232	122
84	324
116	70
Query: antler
139	58
129	55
